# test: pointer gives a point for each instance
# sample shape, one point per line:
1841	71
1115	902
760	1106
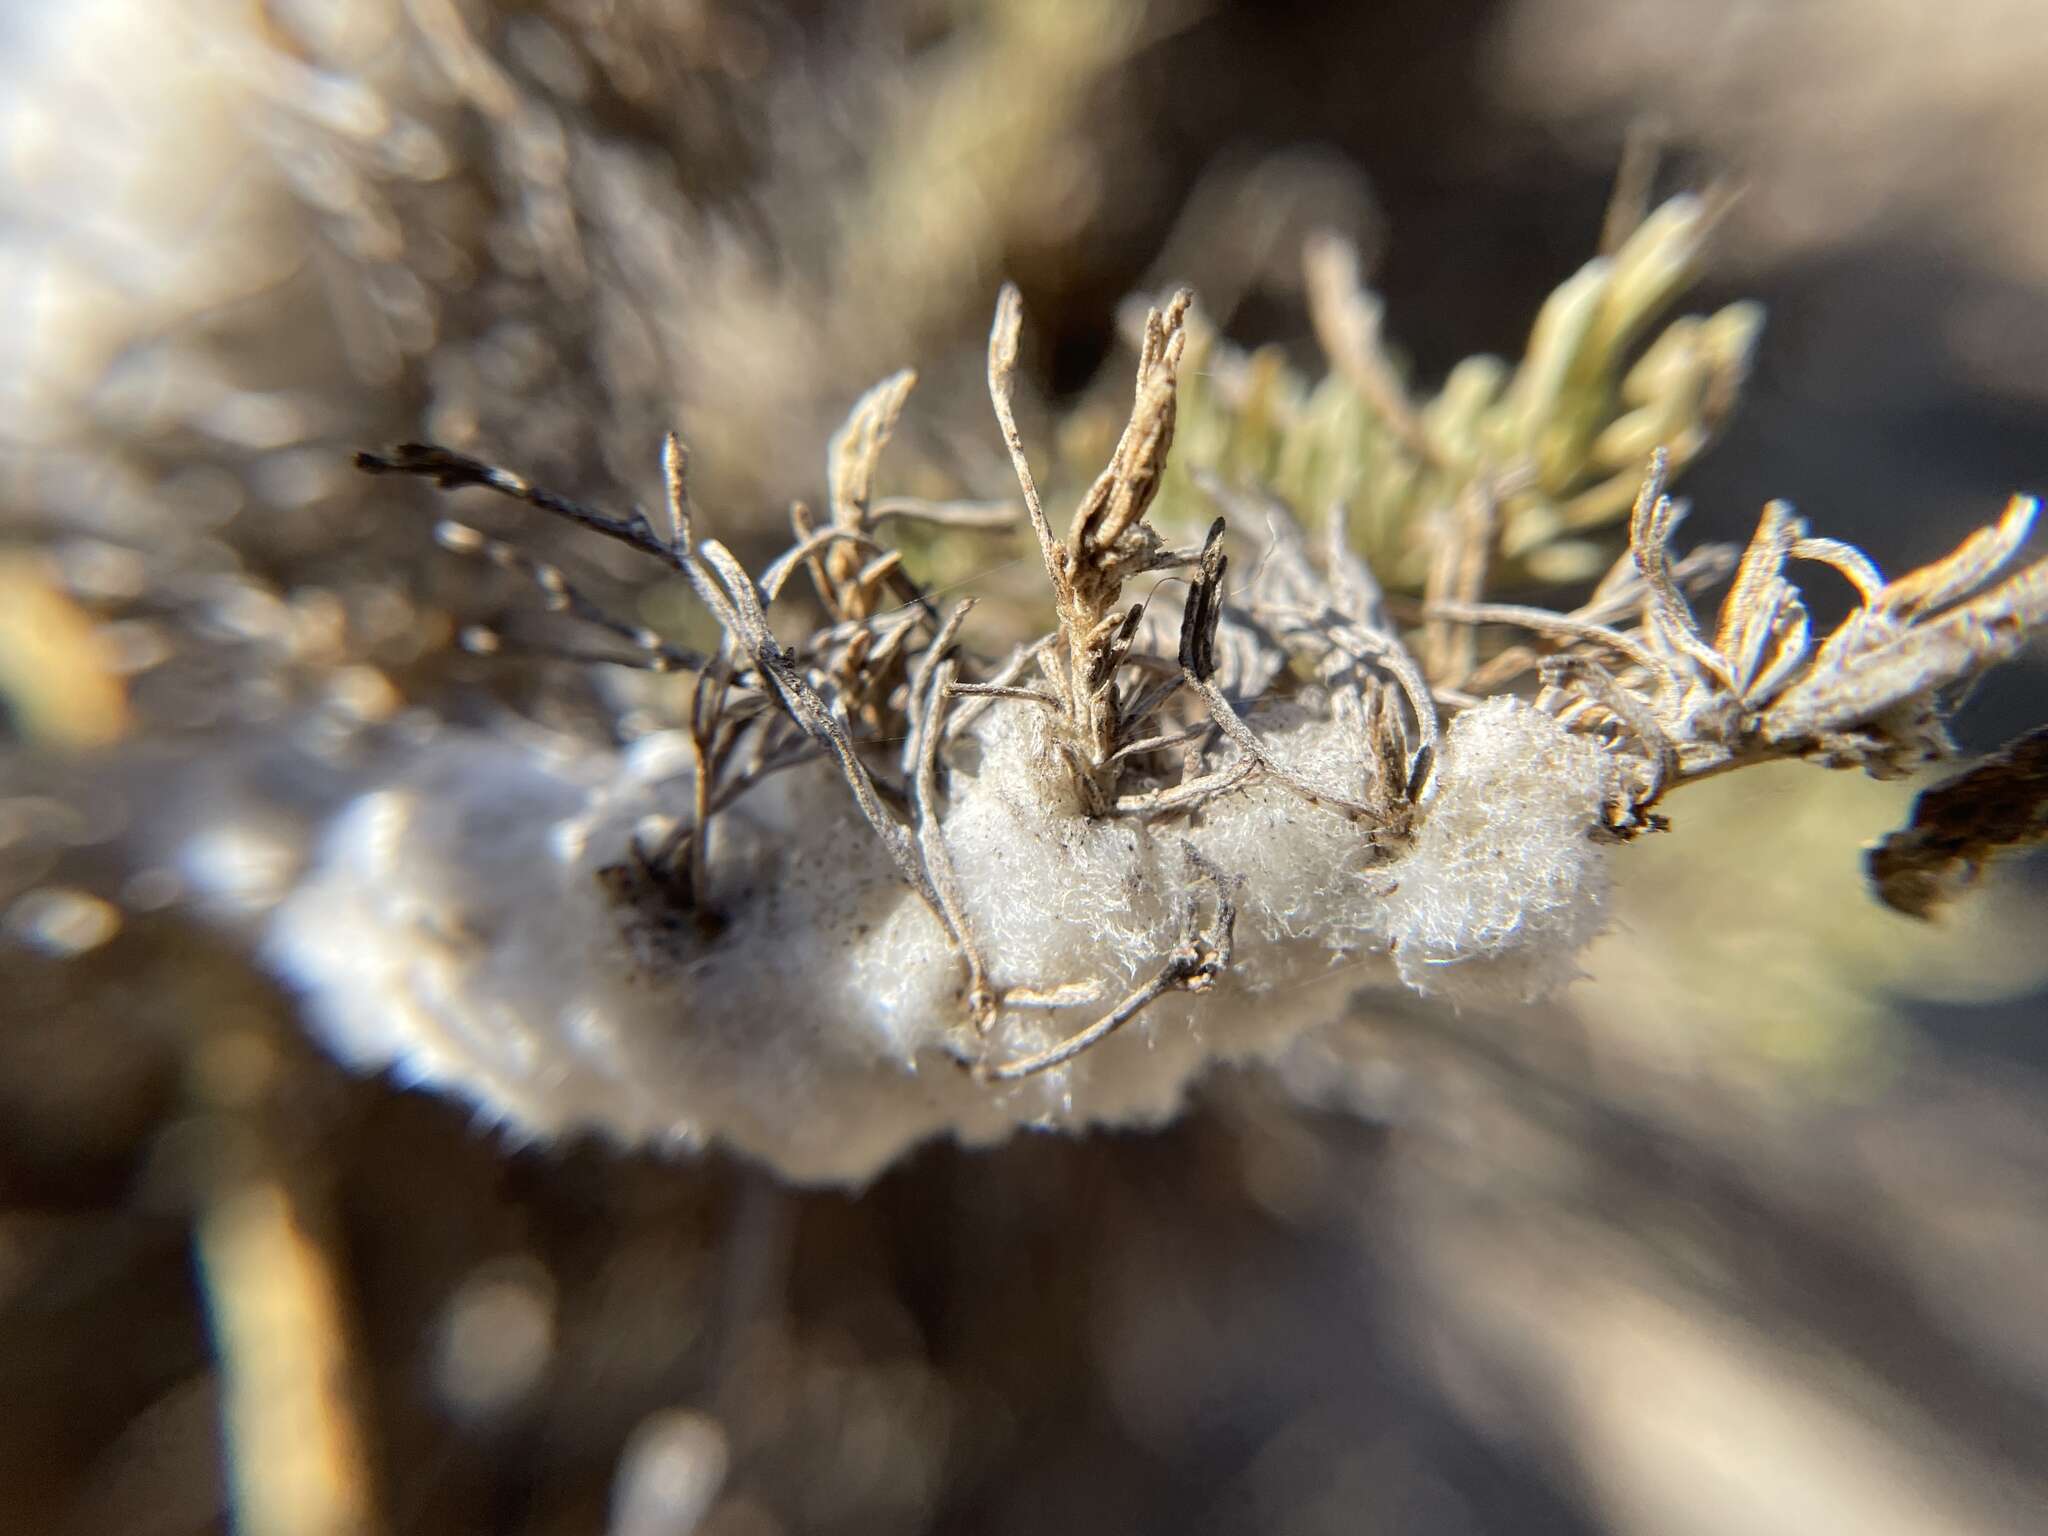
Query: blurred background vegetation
1746	1234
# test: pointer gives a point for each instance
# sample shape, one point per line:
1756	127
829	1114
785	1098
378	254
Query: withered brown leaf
1960	824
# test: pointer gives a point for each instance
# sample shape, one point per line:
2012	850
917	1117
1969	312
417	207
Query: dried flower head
1872	694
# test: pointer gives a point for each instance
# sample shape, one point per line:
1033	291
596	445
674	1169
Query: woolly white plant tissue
459	930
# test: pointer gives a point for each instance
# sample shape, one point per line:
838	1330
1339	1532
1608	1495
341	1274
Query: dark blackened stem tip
453	471
1204	608
447	468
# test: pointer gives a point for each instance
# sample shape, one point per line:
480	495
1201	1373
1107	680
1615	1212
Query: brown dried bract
1959	825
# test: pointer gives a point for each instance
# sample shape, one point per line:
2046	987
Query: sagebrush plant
1547	453
880	887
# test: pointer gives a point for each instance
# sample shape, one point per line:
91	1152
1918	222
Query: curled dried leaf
1961	824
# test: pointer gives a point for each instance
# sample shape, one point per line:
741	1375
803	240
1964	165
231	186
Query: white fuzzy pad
457	931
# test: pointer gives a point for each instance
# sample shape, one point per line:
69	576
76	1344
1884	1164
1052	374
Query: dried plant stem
1107	544
1347	319
1544	622
934	689
451	471
1457	574
560	595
